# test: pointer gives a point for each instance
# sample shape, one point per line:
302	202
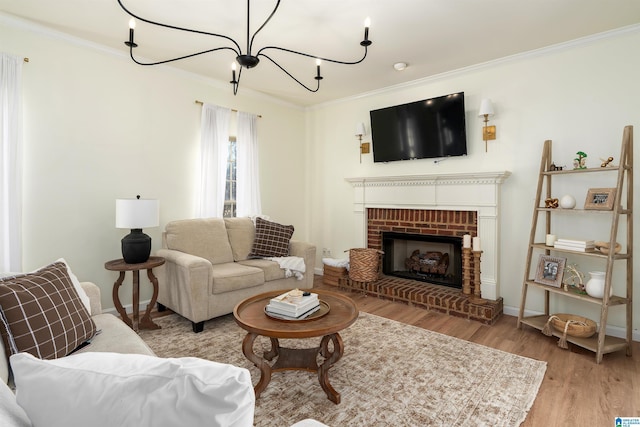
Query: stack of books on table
293	308
575	245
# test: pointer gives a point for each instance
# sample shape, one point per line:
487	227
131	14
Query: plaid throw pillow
272	239
42	314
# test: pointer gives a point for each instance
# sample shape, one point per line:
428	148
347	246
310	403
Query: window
230	186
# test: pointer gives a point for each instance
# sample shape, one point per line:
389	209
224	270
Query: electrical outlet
326	252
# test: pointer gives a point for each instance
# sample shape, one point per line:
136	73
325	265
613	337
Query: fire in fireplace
428	258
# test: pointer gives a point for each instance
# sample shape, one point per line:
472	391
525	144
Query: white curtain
247	172
214	141
10	163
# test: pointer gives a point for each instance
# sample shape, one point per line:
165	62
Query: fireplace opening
423	257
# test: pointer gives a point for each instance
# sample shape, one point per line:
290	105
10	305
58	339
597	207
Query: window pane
230	185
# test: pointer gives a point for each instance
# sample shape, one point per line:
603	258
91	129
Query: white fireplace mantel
479	191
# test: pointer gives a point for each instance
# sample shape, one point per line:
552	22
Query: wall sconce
364	146
488	132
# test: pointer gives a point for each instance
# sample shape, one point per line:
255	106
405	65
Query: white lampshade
137	213
360	129
486	107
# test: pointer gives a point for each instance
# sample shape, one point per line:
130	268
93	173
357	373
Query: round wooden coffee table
250	316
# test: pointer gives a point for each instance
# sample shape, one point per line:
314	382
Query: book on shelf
574	248
571	245
576	242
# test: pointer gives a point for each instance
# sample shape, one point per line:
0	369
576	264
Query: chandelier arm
173	27
250	44
292	77
178	58
335	61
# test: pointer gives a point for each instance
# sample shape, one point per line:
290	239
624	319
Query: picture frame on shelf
600	199
550	270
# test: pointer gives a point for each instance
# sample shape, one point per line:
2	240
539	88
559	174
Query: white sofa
209	267
115	336
110	380
114	380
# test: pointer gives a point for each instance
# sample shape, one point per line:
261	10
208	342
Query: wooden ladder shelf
600	343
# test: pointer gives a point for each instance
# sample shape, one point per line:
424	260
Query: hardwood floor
575	392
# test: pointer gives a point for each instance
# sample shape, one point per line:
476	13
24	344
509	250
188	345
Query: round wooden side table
122	267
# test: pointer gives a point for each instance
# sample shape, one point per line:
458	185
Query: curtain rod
234	110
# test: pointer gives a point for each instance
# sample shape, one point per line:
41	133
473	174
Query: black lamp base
136	247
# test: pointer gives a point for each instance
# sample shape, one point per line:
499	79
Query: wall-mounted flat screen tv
430	128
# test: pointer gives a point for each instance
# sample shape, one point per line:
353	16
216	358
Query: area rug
391	374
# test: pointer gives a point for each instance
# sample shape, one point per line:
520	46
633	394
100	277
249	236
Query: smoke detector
400	66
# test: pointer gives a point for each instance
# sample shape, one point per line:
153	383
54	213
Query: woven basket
332	275
578	326
364	264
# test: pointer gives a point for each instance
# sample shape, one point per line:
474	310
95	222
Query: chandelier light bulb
366	42
233	81
130	42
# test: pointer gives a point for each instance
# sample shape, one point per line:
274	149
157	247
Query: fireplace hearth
427	258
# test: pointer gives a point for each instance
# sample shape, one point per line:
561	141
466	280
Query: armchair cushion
42	313
233	276
203	237
241	233
132	390
272	239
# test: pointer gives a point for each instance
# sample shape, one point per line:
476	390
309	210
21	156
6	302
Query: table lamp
136	214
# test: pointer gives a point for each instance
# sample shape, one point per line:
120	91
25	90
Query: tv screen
429	128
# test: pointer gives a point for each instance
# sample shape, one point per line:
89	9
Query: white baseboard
128	308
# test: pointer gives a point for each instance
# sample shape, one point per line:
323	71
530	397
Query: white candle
476	244
550	240
466	241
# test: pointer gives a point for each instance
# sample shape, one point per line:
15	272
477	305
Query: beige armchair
208	269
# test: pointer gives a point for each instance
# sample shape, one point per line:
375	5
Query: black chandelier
245	59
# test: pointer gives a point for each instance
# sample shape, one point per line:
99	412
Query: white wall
98	127
580	95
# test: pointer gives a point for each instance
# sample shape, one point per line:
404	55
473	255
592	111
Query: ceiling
431	36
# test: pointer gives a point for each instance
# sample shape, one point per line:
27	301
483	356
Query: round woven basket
578	326
364	264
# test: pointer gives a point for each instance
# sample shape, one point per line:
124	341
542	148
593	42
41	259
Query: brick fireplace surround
445	205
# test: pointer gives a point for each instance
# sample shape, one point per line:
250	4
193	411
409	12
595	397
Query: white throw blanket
292	265
333	262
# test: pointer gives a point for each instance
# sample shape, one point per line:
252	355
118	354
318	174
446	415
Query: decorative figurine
573	277
551	203
605	163
580	161
553	167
